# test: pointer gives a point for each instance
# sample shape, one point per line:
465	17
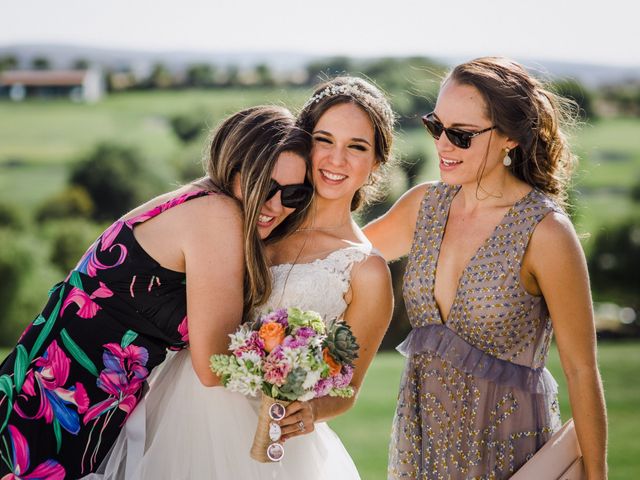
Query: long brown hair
248	144
523	109
374	103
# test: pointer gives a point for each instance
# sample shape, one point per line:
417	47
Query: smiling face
462	107
290	169
343	152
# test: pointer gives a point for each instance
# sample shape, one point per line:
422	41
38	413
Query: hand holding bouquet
288	355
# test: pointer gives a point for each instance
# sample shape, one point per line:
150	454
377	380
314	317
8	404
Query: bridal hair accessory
287	355
506	161
352	89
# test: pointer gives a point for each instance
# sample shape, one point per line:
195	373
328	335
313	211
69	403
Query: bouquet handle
262	442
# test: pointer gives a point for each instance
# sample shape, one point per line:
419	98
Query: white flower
307	396
312	378
240	338
246	385
250	356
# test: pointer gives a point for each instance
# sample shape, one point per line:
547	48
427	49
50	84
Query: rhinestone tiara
352	89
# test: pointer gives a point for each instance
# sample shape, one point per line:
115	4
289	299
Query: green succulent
292	389
342	343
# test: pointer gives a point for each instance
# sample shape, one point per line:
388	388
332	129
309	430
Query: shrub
117	178
72	202
615	261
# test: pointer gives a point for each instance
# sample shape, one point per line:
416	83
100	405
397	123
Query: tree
160	77
188	126
615	261
635	192
12	216
321	70
73	202
117	178
200	75
265	77
574	90
8	62
80	64
69	240
25	278
41	63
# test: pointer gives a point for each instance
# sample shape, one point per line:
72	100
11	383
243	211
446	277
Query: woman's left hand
299	420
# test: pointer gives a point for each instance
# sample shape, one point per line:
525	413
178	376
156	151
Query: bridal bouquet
288	354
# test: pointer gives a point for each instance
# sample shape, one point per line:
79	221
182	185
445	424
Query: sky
581	31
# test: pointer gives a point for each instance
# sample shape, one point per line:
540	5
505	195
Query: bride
184	430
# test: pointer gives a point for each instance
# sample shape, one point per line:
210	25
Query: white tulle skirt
183	430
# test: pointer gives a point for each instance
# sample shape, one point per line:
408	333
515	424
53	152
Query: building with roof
77	85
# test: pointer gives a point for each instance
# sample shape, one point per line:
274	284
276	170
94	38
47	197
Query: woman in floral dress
171	273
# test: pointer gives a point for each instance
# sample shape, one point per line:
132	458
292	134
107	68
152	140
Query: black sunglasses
293	196
460	138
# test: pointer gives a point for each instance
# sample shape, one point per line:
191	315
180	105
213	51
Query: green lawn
365	429
38	140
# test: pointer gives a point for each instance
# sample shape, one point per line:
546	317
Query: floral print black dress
79	368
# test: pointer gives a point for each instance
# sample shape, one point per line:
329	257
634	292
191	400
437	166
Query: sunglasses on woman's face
460	138
293	196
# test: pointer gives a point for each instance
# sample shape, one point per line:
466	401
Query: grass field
365	429
39	139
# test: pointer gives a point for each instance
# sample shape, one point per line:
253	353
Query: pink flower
281	316
89	263
253	344
49	470
183	330
343	379
56	402
276	367
323	387
87	308
122	378
160	208
300	339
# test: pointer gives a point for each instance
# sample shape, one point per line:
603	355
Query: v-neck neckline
444	212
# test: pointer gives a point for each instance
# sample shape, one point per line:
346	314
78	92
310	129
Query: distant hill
141	62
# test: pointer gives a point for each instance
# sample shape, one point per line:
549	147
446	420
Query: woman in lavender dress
494	267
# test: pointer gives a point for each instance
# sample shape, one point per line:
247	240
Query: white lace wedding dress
183	430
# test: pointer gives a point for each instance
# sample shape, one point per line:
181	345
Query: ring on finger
301	426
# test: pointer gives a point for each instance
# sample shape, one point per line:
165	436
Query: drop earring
506	161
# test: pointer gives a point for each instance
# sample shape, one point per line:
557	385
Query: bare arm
368	314
214	262
556	262
392	233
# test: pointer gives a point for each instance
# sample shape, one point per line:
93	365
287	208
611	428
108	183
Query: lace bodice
319	285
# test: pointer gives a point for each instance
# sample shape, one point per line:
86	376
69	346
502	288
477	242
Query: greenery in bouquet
289	354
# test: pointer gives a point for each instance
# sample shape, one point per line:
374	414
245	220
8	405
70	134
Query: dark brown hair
524	110
373	102
248	143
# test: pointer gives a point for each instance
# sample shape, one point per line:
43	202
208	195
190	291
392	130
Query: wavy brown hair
525	110
248	143
374	103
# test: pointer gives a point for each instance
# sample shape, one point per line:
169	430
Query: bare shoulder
414	195
554	248
216	205
208	217
371	273
554	230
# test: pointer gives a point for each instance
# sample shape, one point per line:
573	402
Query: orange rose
334	367
272	334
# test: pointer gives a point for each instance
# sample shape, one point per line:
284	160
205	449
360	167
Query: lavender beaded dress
475	400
